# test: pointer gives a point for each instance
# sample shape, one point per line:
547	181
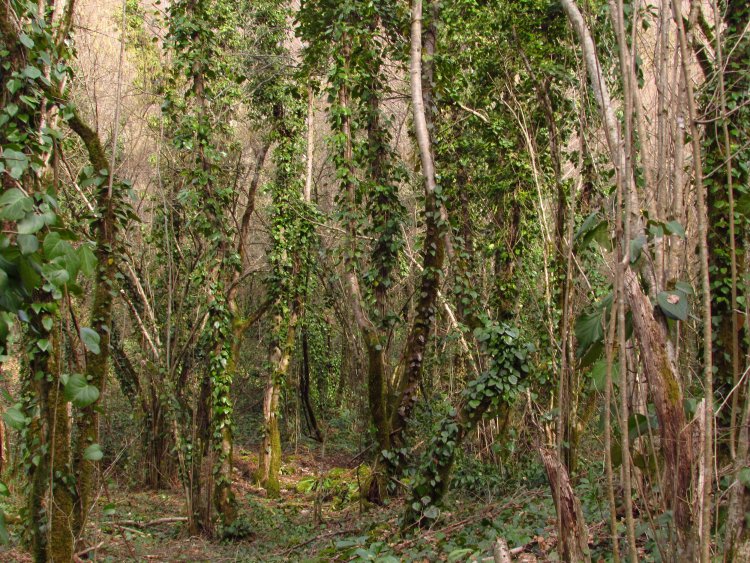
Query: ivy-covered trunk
50	501
60	505
495	388
222	370
269	460
433	253
85	462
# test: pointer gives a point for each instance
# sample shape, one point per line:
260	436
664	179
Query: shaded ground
319	517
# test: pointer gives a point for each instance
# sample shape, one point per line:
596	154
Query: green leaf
55	274
14	418
673	304
4	537
27	244
636	245
599	374
26	41
88	260
431	512
90	339
54	246
78	391
32	72
47	323
684	287
458	554
675	228
743	476
589	329
93	453
14	205
17	163
30	224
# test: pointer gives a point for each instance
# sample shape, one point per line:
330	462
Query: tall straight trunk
372	337
702	235
223	366
97	364
60	505
433	253
48	436
199	497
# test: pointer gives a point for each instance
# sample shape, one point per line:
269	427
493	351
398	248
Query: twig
89	549
157	522
311	540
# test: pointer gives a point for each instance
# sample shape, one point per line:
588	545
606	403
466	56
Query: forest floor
317	523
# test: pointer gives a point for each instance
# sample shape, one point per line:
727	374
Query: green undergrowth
321	516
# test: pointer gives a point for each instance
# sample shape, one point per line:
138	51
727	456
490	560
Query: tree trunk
269	457
658	364
737	541
573	543
97	364
304	389
434	248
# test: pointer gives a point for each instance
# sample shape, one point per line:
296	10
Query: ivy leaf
88	259
54	246
4	538
431	512
684	287
14	204
599	374
14	418
675	228
17	163
93	453
90	339
636	245
744	477
27	244
459	554
32	72
78	391
30	224
27	41
673	304
55	274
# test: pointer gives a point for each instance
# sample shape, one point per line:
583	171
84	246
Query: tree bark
433	254
573	543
